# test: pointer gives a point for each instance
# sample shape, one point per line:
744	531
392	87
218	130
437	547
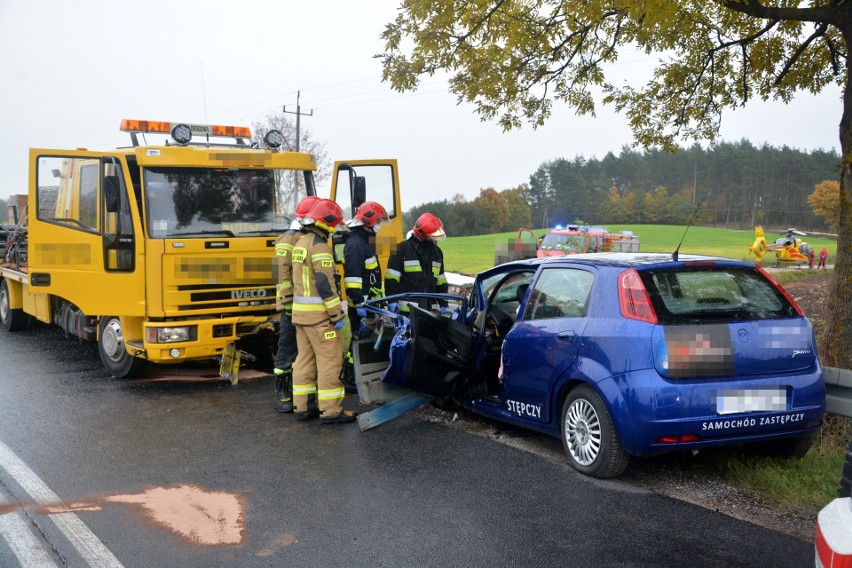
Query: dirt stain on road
196	514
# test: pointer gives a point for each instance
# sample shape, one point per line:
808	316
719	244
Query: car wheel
114	356
589	437
11	320
785	448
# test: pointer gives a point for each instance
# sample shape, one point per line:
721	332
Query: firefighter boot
347	374
284	390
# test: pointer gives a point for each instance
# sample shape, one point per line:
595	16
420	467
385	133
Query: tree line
731	184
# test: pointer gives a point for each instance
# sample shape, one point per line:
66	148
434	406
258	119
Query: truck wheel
114	356
589	437
12	320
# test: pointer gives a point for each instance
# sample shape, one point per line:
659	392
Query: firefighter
362	275
417	265
286	353
318	318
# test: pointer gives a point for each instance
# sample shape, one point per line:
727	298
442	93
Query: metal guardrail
838	391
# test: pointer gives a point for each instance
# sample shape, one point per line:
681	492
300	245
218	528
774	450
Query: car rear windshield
697	295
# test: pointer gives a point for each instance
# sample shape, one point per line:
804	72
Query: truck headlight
171	334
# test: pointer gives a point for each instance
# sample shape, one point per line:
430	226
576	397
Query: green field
469	255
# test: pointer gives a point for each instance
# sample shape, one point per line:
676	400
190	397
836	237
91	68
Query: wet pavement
185	473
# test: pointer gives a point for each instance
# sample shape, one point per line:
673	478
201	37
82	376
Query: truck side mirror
359	192
112	197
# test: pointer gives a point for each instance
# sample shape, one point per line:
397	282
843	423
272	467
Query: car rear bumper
654	415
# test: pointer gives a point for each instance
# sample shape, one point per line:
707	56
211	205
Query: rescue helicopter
789	250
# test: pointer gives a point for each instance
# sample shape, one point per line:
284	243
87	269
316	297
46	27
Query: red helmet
369	215
429	227
304	206
326	214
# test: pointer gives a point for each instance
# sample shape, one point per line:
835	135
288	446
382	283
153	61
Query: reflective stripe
371	262
328	394
281	249
308	308
436	265
304	389
333	303
353	285
284	285
306	279
308	304
412	266
353	280
321	256
308	300
393	274
442	279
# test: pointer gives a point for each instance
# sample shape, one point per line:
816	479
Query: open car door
428	353
438	354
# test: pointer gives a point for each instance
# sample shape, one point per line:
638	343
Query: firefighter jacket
315	294
416	266
284	255
362	274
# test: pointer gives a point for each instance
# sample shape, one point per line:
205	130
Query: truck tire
114	356
846	478
11	320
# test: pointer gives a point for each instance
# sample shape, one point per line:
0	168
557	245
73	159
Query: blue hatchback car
622	355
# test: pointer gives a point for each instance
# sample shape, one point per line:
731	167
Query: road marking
24	544
84	540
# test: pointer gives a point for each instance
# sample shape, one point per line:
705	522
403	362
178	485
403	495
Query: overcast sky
70	71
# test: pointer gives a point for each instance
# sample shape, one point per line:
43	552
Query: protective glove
455	315
339	324
444	310
362	313
394	307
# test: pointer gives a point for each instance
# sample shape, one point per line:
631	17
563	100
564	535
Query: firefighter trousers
286	353
316	372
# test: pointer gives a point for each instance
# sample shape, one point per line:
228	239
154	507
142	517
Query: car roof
624	259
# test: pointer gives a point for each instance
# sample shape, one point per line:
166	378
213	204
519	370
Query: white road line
24	544
84	540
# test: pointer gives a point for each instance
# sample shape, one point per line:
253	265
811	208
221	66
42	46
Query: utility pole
298	114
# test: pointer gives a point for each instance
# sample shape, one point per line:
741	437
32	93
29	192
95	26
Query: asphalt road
407	493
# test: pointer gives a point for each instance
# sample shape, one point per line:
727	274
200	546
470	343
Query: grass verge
792	484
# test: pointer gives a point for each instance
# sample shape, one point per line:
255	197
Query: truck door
356	181
82	232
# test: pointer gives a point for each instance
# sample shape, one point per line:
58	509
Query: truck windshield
204	202
565	243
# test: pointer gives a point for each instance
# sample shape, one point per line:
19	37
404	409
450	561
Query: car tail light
633	299
780	289
679	439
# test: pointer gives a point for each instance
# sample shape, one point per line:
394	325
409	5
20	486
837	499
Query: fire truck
564	240
165	253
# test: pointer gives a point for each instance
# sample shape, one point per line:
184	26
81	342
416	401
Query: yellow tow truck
165	253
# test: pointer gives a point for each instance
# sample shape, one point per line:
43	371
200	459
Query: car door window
559	292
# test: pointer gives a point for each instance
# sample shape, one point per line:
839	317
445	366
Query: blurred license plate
756	400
